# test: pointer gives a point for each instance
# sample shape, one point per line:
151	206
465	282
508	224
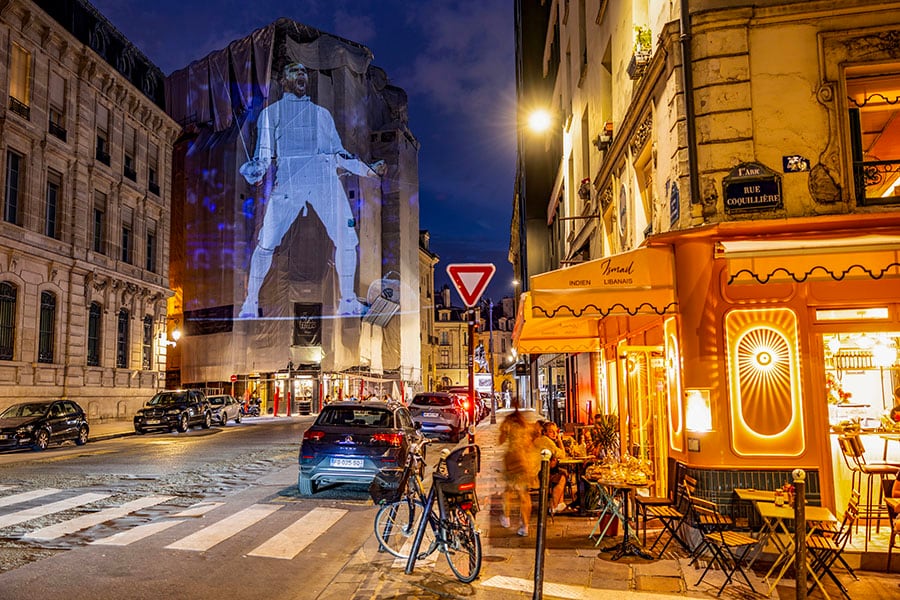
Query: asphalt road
217	515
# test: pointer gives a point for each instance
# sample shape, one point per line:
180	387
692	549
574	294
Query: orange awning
799	260
563	310
560	335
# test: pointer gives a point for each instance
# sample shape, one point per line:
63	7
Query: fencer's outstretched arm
255	169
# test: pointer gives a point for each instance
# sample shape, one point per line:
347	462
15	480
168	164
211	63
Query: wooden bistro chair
729	548
671	516
854	452
826	549
643	503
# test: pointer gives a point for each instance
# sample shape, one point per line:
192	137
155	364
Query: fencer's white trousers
309	181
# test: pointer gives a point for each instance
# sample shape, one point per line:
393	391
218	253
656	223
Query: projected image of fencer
300	137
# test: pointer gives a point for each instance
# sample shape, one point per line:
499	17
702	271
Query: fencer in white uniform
300	136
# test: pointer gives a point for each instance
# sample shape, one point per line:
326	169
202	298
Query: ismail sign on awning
562	311
799	260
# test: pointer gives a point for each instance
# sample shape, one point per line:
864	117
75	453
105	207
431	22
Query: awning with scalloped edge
798	260
563	310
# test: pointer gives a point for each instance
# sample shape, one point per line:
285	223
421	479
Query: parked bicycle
448	509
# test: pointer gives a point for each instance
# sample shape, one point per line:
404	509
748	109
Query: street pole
491	361
471	365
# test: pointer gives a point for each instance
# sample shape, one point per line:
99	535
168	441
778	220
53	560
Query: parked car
439	413
350	442
42	422
225	408
174	409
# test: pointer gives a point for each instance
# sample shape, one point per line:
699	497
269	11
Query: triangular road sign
471	280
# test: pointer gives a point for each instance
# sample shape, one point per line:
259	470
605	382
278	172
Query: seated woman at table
550	440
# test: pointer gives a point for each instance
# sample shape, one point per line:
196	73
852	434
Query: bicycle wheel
463	545
395	528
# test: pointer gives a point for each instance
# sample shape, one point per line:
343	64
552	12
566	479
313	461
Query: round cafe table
627	545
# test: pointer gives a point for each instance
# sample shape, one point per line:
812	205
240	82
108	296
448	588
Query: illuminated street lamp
539	121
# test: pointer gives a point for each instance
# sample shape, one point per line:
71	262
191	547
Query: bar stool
853	450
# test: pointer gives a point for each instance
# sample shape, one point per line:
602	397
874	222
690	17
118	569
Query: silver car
439	413
224	408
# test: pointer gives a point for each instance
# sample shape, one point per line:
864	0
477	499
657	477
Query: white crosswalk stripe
136	534
293	539
26	496
288	543
83	522
27	514
216	533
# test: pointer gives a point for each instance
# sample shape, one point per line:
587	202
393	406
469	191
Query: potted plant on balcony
643	50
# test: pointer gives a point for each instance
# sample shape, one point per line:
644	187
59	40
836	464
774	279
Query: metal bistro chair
729	548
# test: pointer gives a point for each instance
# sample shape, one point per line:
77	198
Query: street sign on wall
471	280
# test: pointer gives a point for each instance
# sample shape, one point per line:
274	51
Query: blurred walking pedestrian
521	464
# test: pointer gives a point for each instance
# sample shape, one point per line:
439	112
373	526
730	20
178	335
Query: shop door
645	436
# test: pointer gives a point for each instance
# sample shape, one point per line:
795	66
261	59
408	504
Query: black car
40	423
174	409
352	441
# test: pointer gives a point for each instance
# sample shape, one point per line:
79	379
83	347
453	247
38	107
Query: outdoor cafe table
629	544
775	528
576	463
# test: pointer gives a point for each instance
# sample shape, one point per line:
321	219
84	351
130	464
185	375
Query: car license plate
432	415
3	436
153	421
353	463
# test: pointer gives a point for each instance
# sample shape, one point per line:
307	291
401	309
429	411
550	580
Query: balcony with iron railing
877	182
57	131
20	108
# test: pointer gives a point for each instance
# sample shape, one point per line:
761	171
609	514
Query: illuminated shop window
766	403
852	314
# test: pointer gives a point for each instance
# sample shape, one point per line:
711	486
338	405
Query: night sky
455	60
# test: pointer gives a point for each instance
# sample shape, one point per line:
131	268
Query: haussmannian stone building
84	233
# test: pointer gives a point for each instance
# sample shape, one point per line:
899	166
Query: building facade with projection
295	263
84	233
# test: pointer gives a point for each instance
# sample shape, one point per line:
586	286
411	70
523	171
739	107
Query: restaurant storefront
772	336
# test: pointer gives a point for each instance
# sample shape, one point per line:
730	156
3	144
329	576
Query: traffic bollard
800	531
541	527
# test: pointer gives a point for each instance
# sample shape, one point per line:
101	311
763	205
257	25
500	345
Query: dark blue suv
350	442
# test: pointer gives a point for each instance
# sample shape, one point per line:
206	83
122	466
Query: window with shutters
57	108
47	327
8	298
129	168
122	339
153	169
151	246
95	313
52	204
19	81
14	183
127	234
102	134
147	344
98	224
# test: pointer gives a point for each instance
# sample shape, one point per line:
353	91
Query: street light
540	120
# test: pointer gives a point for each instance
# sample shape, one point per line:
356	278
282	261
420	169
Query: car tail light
466	505
394	439
313	435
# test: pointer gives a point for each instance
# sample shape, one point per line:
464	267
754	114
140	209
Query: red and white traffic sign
471	280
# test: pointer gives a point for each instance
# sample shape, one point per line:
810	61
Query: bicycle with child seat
412	524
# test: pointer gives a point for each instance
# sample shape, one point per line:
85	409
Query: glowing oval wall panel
674	400
766	405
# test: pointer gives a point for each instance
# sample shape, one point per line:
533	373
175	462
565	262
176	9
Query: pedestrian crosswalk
296	534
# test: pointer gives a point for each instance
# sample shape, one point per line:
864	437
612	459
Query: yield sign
471	280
